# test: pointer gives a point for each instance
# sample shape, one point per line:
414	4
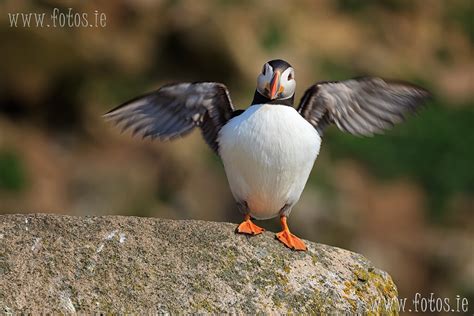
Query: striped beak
275	85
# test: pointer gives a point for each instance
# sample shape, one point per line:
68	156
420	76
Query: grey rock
114	264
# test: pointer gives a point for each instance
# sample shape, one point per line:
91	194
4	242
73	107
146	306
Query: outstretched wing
174	110
362	106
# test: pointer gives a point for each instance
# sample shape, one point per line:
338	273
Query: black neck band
260	99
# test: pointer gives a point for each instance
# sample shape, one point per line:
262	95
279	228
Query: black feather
174	110
361	106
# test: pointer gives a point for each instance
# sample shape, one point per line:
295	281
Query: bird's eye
264	69
290	76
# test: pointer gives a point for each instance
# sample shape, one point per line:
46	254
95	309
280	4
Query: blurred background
404	200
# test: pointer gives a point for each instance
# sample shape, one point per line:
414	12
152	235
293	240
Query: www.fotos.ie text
426	304
57	18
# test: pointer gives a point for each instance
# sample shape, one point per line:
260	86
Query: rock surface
64	264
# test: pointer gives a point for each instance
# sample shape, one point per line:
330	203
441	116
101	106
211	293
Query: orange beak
275	85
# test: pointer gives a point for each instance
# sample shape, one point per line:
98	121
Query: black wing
362	106
174	110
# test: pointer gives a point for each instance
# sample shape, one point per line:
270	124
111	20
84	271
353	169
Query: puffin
268	150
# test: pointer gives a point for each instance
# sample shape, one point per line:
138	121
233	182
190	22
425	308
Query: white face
284	83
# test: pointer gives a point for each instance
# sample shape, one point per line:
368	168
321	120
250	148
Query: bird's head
277	80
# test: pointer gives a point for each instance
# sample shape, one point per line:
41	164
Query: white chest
268	153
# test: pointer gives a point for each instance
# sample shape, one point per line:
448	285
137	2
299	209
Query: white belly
268	153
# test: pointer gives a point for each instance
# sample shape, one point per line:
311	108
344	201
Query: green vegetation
12	172
435	149
354	6
273	36
462	14
335	70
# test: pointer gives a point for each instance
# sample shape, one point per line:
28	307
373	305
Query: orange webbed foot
248	227
288	239
291	241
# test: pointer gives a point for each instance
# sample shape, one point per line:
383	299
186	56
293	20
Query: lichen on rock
115	264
